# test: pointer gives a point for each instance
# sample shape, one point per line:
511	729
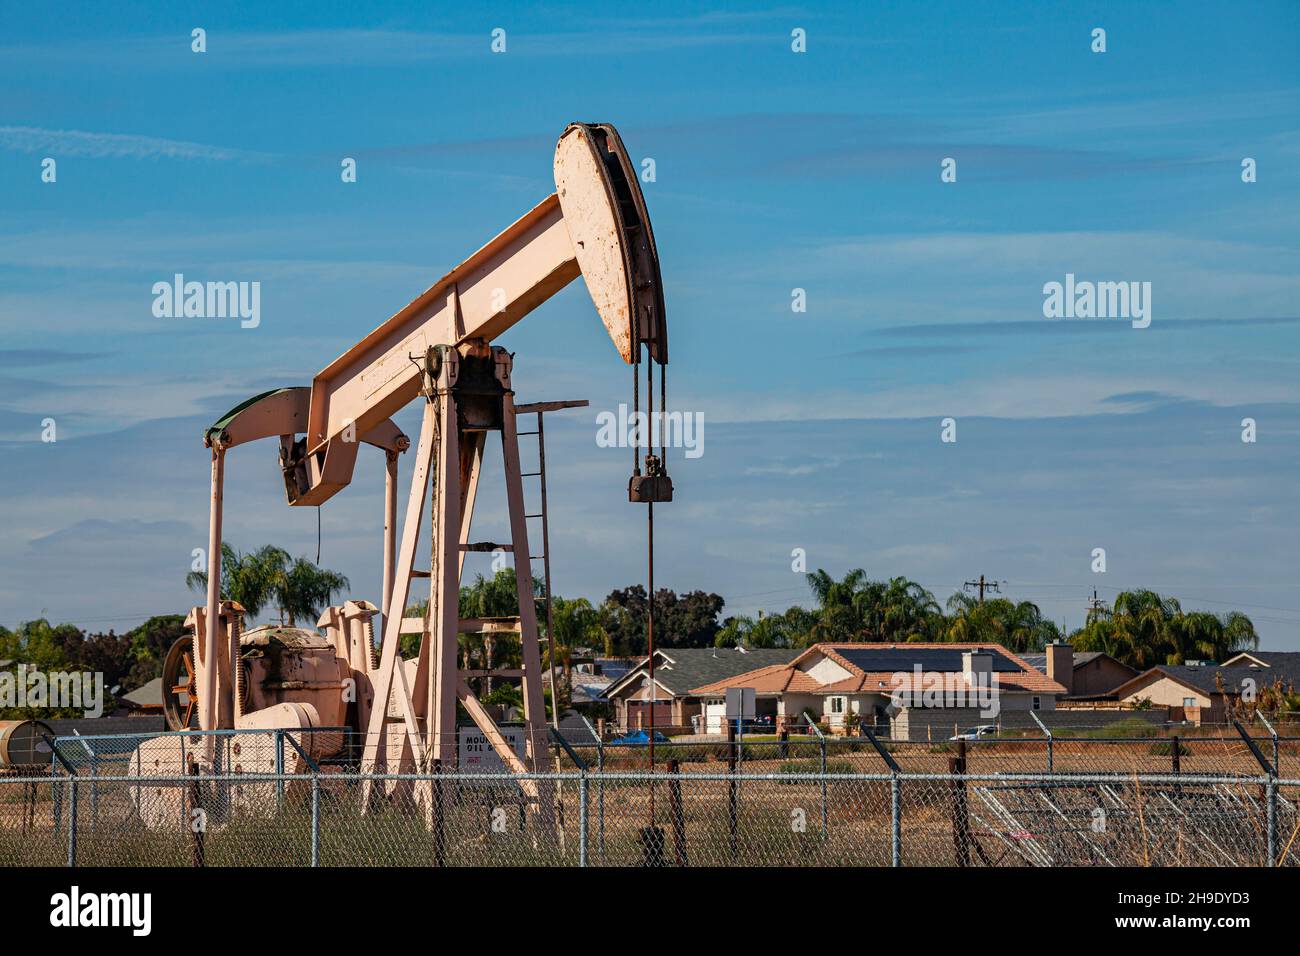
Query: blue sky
775	171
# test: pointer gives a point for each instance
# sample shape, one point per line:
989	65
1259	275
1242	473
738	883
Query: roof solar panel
902	658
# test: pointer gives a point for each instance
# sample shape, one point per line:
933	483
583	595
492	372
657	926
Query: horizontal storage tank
22	743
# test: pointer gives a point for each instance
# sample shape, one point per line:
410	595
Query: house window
1037	703
837	705
1189	701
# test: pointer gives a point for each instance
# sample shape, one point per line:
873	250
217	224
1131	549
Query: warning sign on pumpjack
477	754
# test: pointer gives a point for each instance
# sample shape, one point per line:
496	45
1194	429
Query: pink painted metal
595	225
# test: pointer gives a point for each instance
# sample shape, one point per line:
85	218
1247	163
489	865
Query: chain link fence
1229	754
636	819
299	799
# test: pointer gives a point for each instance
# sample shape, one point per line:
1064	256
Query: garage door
715	717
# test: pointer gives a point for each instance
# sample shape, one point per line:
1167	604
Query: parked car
975	733
637	738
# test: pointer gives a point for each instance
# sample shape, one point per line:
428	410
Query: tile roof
1012	672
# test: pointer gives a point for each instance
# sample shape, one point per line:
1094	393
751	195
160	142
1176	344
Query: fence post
94	791
600	798
582	819
825	788
198	834
960	820
1270	784
896	820
1044	728
821	742
314	768
732	794
57	759
740	746
1176	750
821	739
677	811
1277	766
56	794
72	821
439	824
315	818
279	768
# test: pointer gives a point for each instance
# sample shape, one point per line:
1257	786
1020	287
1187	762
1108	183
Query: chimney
1060	665
977	665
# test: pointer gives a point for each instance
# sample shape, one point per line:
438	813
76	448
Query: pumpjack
438	351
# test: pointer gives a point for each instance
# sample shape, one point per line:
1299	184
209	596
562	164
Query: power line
982	585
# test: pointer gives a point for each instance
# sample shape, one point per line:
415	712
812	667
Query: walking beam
594	225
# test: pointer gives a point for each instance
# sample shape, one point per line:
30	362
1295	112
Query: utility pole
983	585
1096	608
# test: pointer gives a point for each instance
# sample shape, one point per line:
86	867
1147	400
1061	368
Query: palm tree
902	610
838	616
303	590
857	609
297	587
245	579
1144	629
788	629
1017	626
576	622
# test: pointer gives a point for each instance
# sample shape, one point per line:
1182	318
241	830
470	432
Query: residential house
1085	675
907	691
1206	693
1195	693
677	671
1268	667
585	687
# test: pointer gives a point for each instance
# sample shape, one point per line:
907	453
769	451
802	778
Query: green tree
297	588
42	647
899	610
246	579
149	644
860	609
576	622
1144	628
787	629
1019	626
687	620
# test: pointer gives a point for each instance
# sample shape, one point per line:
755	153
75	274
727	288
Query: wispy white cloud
293	49
76	142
